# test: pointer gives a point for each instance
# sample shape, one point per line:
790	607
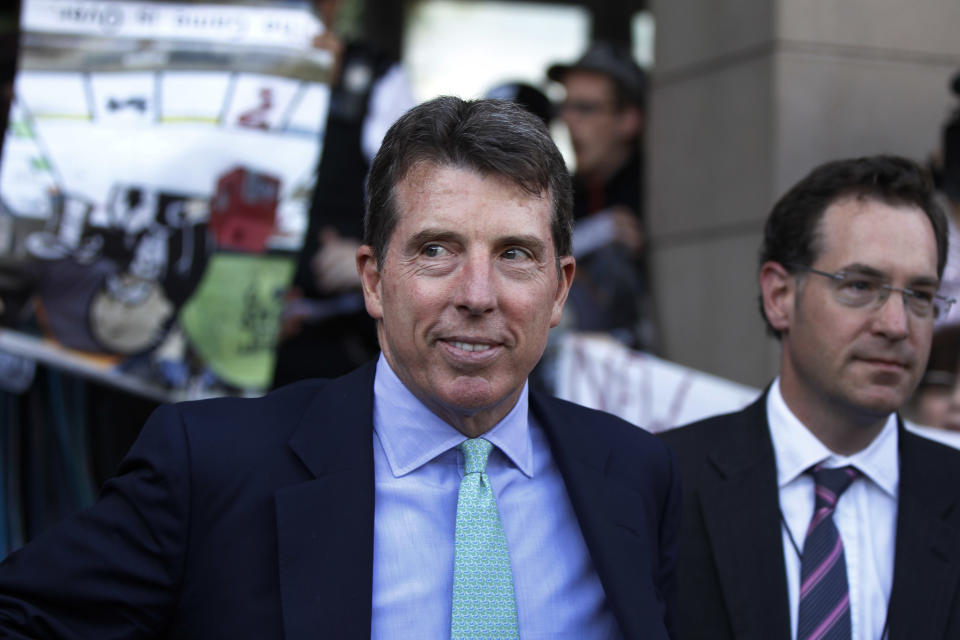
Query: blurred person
527	96
428	494
947	171
936	402
325	331
604	112
813	513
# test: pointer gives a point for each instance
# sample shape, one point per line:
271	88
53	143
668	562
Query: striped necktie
483	600
824	593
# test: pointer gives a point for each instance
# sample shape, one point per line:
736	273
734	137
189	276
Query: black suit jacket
731	572
254	518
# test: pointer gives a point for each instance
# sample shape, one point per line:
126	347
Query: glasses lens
941	306
857	291
921	303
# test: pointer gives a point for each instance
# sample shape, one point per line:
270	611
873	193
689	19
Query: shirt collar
412	435
797	449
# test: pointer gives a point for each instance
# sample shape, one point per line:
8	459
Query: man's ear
778	289
568	266
370	280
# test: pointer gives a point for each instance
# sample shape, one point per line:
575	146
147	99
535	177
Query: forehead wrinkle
434	234
864	269
873	272
529	241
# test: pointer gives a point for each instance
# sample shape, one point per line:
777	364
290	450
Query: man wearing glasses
605	91
812	513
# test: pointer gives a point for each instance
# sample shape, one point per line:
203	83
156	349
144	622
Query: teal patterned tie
483	603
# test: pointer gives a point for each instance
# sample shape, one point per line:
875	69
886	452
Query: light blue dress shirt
418	471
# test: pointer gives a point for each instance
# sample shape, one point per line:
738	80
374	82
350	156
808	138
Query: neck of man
473	421
473	424
841	427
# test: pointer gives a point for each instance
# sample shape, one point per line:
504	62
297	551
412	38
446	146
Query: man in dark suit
349	508
812	513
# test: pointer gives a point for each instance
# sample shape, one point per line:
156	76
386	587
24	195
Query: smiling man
813	513
429	494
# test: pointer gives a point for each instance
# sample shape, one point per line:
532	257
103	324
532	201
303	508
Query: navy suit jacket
254	518
731	572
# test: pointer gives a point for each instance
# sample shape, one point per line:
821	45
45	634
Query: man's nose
892	318
476	287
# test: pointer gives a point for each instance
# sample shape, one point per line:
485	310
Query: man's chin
881	400
470	394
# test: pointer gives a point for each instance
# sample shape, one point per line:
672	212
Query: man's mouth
886	362
470	346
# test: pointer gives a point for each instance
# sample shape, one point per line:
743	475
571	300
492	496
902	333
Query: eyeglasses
862	290
587	107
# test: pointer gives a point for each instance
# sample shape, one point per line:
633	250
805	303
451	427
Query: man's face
468	291
859	361
601	133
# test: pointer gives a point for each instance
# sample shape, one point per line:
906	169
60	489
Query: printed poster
156	177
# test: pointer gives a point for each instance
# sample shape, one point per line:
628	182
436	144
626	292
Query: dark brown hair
791	234
492	137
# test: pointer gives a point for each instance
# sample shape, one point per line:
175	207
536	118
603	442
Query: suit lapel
607	513
927	561
739	502
325	525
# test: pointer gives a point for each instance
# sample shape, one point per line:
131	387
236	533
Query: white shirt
390	98
950	280
866	513
417	471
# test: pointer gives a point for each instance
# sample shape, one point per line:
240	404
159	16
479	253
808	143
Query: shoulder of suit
936	456
297	393
230	436
573	408
273	415
707	429
612	426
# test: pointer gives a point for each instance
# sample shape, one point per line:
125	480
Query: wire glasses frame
861	290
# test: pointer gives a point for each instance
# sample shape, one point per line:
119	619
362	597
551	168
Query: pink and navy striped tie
824	593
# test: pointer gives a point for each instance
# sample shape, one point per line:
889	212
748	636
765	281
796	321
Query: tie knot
475	454
830	483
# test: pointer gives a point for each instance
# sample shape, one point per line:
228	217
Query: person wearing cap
603	111
527	96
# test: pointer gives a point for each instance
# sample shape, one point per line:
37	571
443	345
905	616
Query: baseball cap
527	96
611	60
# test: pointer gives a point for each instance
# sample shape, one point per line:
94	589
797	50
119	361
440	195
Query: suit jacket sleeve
113	570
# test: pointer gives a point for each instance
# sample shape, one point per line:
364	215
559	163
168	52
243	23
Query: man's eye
860	285
925	297
434	251
516	254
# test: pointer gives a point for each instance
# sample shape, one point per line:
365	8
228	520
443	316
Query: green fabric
233	318
483	601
